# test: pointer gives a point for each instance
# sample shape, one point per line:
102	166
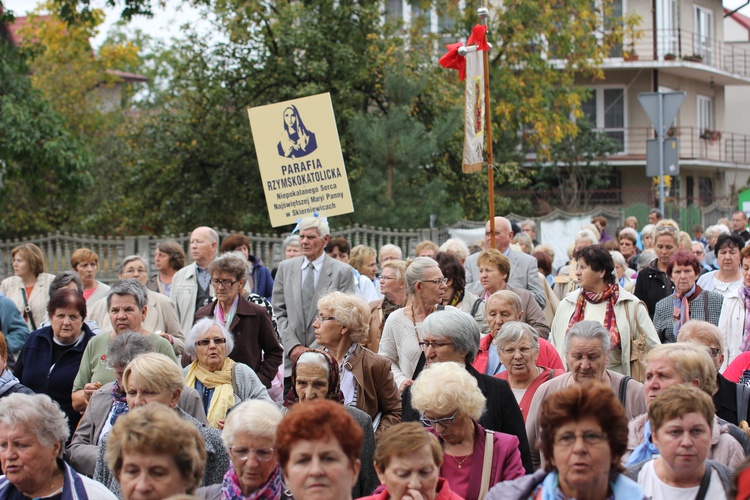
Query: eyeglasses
205	342
444	422
666	229
434	345
590	438
324	318
436	281
510	351
242	453
386	278
224	283
714	351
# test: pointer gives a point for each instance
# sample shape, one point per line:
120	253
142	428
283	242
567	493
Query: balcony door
666	27
703	33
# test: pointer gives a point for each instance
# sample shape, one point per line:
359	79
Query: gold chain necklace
459	462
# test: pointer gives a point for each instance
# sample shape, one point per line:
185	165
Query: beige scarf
221	382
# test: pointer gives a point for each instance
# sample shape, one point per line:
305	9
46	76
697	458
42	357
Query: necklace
414	321
459	462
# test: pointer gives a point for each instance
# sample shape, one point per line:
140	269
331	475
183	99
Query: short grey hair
390	247
456	325
514	331
629	230
507	297
320	224
588	330
645	259
527	222
254	416
455	247
586	234
647	230
618	259
200	328
130	258
701	332
316	359
415	272
63	279
291	240
233	263
39	414
126	346
130	286
716	230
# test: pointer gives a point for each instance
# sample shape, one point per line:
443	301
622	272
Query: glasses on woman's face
714	351
436	281
511	351
205	342
241	453
590	438
225	283
435	345
320	319
434	422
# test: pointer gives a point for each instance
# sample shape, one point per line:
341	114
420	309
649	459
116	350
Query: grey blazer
524	273
83	449
295	327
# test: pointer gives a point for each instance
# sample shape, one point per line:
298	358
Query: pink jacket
443	493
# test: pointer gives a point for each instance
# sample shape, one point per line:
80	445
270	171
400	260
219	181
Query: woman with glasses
219	380
399	344
518	346
728	279
450	403
584	434
393	288
734	321
366	379
255	341
681	418
689	300
653	283
249	436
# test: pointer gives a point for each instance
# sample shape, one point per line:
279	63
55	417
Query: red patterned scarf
609	294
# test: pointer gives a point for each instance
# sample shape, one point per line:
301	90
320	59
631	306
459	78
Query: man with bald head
191	285
524	272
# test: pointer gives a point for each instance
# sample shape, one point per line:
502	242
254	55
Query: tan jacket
11	288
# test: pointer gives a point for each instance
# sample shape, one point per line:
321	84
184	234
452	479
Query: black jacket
652	285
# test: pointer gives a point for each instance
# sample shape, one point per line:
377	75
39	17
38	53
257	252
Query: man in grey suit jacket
524	271
296	312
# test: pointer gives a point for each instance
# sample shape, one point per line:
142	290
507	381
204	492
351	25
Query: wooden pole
484	13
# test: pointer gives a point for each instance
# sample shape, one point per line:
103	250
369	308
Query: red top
739	365
443	493
548	356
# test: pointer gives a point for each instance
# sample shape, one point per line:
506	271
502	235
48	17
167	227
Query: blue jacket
34	369
262	280
12	324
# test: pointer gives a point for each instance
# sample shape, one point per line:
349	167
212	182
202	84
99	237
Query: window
666	27
703	34
706	191
705	114
605	110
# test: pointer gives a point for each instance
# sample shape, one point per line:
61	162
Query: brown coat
376	388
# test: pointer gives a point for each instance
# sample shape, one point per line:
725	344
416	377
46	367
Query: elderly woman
154	453
653	283
621	271
450	403
504	306
518	346
259	280
50	359
408	461
364	287
255	341
366	378
689	300
109	403
161	317
647	237
425	288
33	431
154	378
566	281
9	384
168	259
315	375
393	288
523	240
601	299
586	348
456	294
673	364
220	381
86	263
249	436
733	320
583	435
728	279
681	418
364	260
453	335
127	308
28	288
318	445
494	270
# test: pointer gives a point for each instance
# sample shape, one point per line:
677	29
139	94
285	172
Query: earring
601	275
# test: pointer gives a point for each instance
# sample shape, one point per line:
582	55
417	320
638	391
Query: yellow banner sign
300	159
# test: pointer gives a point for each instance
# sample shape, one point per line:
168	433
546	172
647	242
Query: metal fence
57	247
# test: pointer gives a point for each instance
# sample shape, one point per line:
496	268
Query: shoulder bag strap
234	380
624	390
743	394
475	306
551	374
489	448
704	296
704	483
27	309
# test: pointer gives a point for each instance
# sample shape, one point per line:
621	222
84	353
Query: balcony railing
694	143
680	45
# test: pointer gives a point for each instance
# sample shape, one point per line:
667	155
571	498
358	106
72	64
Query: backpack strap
623	393
743	399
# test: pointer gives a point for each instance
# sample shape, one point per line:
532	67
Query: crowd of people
356	372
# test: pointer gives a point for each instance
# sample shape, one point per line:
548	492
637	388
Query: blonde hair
359	254
443	388
155	372
350	311
691	361
660	229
